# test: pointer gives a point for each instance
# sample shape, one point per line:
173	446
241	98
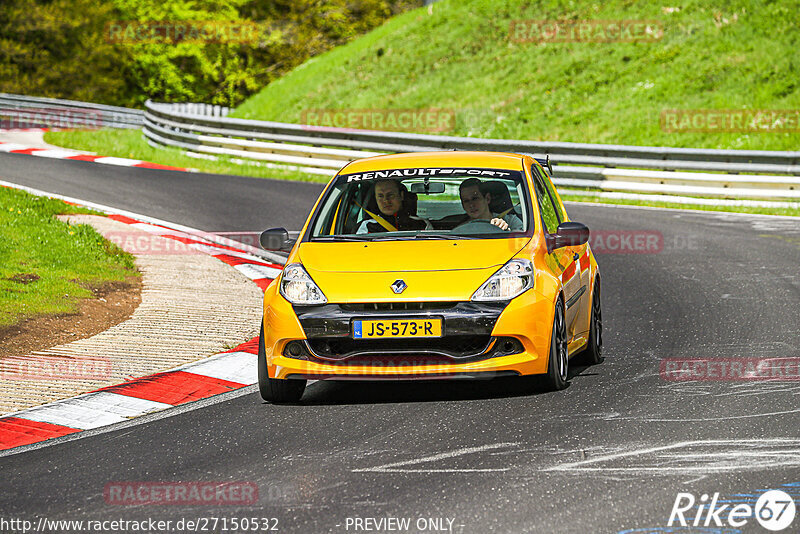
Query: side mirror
570	234
276	239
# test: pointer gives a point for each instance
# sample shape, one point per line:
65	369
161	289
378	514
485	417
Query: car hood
432	270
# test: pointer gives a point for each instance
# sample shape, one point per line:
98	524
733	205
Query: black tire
593	354
558	361
273	390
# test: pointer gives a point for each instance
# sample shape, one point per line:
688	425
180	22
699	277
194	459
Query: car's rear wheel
558	362
594	348
275	390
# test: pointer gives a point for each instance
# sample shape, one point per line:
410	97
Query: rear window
423	203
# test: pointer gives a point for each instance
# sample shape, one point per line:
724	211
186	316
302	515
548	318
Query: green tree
89	50
56	48
181	70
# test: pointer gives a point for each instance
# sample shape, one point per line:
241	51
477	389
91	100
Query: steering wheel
477	226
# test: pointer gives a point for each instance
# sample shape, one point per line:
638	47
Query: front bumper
479	340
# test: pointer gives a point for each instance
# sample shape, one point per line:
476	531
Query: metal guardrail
19	111
206	131
613	167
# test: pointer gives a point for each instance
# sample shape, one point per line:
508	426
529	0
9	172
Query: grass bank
48	265
461	55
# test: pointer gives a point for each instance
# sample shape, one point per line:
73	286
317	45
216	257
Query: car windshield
423	203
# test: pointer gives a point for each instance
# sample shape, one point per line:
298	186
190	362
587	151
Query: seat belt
378	219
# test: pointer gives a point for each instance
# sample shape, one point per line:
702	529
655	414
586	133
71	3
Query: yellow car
431	265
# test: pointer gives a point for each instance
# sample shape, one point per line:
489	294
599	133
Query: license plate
394	328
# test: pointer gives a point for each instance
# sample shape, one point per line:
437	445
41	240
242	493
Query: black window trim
307	235
534	175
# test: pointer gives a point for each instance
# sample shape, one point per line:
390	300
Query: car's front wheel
275	390
558	363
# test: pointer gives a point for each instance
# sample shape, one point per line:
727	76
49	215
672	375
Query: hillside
459	55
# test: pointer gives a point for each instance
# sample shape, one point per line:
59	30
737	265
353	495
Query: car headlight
513	279
298	288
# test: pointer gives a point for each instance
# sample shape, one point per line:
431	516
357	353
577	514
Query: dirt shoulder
191	306
111	304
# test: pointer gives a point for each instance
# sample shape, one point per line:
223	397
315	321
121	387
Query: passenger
390	198
476	204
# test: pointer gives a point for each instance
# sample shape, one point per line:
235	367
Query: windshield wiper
342	238
388	237
442	236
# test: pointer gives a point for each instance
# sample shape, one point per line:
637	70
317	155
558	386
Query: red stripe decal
174	387
15	432
584	261
568	272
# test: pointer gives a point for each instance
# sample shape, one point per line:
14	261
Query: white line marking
391	468
257	272
8	147
713	455
122	162
92	410
239	367
700	420
56	153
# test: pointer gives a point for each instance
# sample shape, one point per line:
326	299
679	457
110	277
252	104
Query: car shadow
331	392
383	392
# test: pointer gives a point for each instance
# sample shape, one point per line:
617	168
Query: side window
548	183
546	206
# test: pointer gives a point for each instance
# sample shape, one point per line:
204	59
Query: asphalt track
608	454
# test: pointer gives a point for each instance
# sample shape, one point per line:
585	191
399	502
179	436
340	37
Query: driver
476	203
390	196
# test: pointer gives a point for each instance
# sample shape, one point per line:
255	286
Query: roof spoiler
545	163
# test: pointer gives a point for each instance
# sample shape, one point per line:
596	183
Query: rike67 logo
774	510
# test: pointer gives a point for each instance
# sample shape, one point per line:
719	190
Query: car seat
501	199
500	204
409	202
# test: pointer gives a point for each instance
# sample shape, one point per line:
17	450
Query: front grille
448	347
408	352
